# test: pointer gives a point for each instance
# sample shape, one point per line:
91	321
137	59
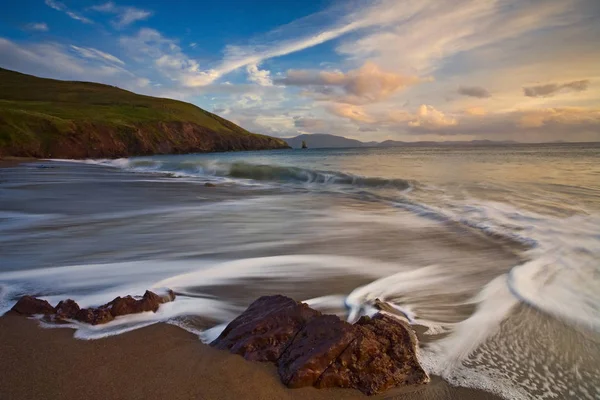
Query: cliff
61	119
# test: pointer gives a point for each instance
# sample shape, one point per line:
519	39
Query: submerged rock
311	349
28	305
69	309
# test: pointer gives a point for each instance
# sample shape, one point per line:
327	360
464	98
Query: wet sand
157	362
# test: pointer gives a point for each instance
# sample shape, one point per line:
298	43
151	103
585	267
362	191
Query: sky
524	70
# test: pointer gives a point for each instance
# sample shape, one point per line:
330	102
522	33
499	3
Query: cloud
309	124
479	111
538	118
262	77
89	52
430	118
553	88
352	112
193	45
64	62
368	84
57	5
37	26
474	91
125	16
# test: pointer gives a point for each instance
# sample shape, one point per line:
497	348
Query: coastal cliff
61	119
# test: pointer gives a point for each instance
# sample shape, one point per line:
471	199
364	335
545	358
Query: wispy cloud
37	26
553	88
125	15
91	53
57	5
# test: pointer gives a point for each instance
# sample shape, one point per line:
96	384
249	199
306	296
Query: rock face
28	305
69	309
312	349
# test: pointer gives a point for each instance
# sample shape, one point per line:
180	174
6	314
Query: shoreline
155	362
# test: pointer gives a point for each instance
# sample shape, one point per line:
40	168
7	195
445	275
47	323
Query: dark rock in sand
210	185
312	349
129	305
66	309
28	305
265	329
318	344
383	356
69	309
94	316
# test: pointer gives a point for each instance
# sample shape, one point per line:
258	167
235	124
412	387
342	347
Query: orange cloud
368	84
478	111
565	115
355	113
428	117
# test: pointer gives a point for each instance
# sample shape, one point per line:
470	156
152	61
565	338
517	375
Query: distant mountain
325	141
322	140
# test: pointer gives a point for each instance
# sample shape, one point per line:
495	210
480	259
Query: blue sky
371	70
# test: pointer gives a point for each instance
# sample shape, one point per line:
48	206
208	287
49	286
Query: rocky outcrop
312	349
382	356
265	329
66	309
70	310
28	305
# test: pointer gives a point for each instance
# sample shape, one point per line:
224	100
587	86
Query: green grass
33	108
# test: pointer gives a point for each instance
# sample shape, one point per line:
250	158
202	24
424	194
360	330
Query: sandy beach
157	362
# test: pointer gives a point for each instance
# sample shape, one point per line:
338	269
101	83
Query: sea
491	252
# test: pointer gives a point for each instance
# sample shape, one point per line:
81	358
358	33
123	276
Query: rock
94	316
388	308
209	184
265	329
318	344
69	309
312	349
129	305
28	305
382	356
66	309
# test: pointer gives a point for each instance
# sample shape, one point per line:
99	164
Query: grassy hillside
50	118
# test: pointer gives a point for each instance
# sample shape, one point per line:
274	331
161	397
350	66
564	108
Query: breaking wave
247	171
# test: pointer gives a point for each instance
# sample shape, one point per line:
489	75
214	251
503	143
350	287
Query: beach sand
156	362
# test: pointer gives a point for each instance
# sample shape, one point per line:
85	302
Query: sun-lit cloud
564	116
57	5
480	111
124	15
260	76
551	89
367	84
352	112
